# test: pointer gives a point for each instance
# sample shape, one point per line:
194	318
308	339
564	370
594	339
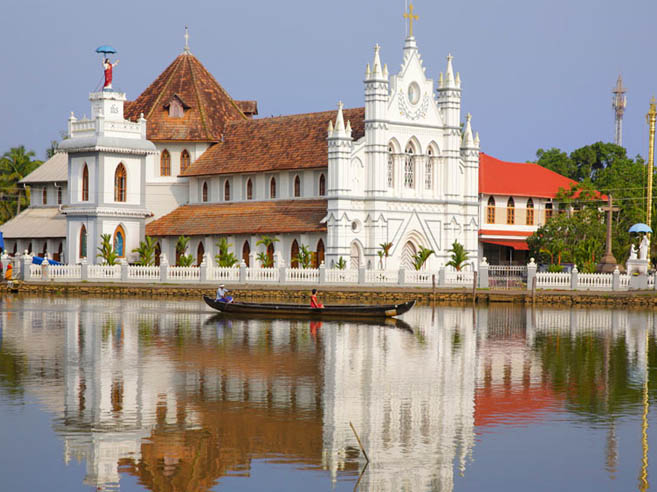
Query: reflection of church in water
152	393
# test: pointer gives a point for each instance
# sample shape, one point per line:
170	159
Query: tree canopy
15	164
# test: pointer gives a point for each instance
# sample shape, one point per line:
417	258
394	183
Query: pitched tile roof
519	179
266	217
209	105
54	169
35	222
284	142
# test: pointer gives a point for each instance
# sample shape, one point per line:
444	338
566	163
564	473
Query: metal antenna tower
619	102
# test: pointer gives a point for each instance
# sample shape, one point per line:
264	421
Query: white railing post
531	273
26	261
164	268
282	272
483	274
44	268
5	261
574	280
401	276
322	273
242	272
124	269
441	276
615	281
204	268
84	270
361	275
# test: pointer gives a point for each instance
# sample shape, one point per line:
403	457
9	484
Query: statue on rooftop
108	68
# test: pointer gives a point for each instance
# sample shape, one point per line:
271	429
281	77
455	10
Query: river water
132	394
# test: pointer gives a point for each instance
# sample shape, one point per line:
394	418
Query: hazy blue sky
535	73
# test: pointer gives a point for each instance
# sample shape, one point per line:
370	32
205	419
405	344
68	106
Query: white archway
408	256
355	255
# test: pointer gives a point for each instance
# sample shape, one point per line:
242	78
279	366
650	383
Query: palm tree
225	258
146	252
15	164
106	250
459	256
181	248
420	258
384	253
266	259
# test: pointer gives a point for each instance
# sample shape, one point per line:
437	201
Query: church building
185	158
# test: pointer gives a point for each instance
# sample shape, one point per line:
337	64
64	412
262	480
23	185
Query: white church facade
185	158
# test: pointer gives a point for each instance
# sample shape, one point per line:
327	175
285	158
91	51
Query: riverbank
340	294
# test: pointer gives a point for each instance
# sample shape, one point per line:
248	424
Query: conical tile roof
206	106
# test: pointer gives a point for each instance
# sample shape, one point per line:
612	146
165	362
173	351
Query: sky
535	74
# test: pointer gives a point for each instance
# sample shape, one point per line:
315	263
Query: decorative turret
467	142
449	95
340	145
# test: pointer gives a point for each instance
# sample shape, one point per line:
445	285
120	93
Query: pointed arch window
322	185
165	163
82	244
272	188
227	191
530	212
249	189
120	182
200	252
297	186
204	192
119	241
319	255
490	211
409	168
44	196
391	166
185	160
428	170
270	252
294	254
246	252
510	212
85	183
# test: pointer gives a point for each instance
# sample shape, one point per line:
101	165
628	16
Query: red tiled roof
519	179
266	217
285	142
504	406
210	106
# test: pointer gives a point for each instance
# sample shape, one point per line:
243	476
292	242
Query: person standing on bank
222	294
314	303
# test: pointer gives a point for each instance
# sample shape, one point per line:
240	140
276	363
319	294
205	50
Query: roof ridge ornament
409	15
186	50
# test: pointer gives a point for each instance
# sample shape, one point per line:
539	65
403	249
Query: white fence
300	275
224	274
104	272
262	274
184	274
459	278
64	272
335	276
594	281
552	280
143	273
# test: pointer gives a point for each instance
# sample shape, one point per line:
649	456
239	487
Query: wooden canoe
345	311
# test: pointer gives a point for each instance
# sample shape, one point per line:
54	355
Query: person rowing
314	303
222	294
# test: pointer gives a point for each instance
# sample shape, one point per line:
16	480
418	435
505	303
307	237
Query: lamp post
650	118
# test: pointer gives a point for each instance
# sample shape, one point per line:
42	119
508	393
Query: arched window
530	212
200	252
85	183
249	190
510	211
490	211
428	170
119	241
44	253
319	256
158	252
548	211
58	256
204	193
59	195
246	252
165	163
297	186
272	188
409	168
185	160
322	185
119	183
227	191
391	166
408	256
29	248
44	196
82	249
294	254
270	253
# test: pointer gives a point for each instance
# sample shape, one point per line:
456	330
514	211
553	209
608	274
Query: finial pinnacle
187	41
411	17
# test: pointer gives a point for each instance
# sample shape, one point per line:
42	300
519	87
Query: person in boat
222	294
314	303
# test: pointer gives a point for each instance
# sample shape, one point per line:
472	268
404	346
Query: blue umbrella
640	227
105	49
2	241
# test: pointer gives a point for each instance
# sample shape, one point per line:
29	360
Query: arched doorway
200	252
246	253
58	256
82	245
294	254
270	253
319	255
408	256
355	259
119	242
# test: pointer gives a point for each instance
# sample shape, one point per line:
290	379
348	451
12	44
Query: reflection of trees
595	373
13	369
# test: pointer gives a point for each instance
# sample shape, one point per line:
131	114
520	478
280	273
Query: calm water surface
157	395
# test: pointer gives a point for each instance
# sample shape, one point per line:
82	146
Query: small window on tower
176	107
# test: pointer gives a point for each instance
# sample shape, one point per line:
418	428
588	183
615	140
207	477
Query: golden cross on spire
409	15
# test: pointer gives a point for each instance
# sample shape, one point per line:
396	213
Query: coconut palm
225	258
266	259
459	256
420	258
15	164
183	259
146	251
106	250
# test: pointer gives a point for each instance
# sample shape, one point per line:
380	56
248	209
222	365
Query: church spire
186	50
468	141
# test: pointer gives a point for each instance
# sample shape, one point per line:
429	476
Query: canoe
297	310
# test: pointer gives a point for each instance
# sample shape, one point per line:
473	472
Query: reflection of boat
220	319
346	311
